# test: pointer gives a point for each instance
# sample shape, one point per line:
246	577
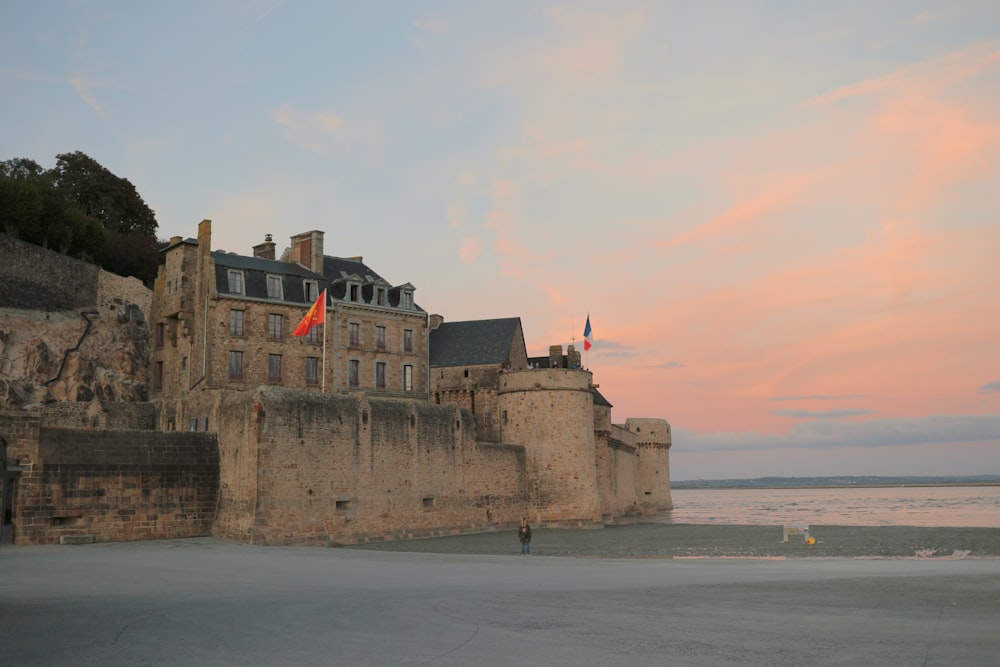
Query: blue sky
780	216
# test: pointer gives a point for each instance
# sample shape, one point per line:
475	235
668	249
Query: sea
933	506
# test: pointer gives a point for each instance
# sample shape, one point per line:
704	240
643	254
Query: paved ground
208	602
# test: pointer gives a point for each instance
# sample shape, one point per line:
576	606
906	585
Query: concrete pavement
208	602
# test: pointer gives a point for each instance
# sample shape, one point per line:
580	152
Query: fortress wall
605	480
306	468
551	412
117	486
113	291
475	393
34	278
98	415
234	417
653	439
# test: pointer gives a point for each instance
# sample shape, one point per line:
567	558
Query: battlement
649	431
546	379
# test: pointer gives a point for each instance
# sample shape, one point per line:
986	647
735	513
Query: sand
720	541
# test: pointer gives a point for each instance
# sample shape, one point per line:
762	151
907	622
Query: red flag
316	315
588	335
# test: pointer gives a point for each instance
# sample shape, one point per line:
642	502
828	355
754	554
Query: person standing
524	534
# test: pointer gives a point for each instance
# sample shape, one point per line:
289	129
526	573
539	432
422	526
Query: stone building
224	321
579	467
384	422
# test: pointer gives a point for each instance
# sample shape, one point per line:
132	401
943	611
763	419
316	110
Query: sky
782	218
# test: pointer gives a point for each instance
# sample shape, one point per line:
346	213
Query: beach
657	540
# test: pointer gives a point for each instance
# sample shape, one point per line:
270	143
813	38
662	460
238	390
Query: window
380	375
380	337
407	378
408	300
312	370
380	296
235	322
274	368
353	293
158	375
160	334
235	365
353	378
354	334
274	326
407	340
311	290
274	290
313	335
236	282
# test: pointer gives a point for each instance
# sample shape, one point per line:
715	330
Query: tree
112	200
81	209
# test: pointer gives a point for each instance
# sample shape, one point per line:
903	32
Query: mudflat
658	540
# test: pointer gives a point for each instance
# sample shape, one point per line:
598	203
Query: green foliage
81	209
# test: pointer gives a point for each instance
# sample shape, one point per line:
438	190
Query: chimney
204	238
264	250
307	250
436	321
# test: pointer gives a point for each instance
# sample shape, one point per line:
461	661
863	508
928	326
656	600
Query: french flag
588	335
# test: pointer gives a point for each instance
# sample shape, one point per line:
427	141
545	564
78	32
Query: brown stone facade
365	345
109	485
306	468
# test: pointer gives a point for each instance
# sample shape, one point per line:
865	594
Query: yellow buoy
810	540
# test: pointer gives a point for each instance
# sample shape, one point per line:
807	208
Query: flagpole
322	386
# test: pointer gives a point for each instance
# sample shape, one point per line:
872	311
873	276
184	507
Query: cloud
875	433
455	215
432	25
315	131
83	88
990	387
669	365
611	349
820	414
924	77
816	397
470	250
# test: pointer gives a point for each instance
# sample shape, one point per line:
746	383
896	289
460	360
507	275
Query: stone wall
34	278
114	291
653	439
306	468
551	412
85	485
51	304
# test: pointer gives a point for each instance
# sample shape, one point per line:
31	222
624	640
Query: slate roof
473	343
599	398
335	270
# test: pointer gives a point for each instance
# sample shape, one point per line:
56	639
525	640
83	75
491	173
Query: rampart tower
652	440
550	411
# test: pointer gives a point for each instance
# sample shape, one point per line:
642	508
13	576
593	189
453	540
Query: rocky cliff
78	355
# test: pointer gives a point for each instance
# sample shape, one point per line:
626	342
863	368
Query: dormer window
236	282
311	290
407	300
380	296
274	290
